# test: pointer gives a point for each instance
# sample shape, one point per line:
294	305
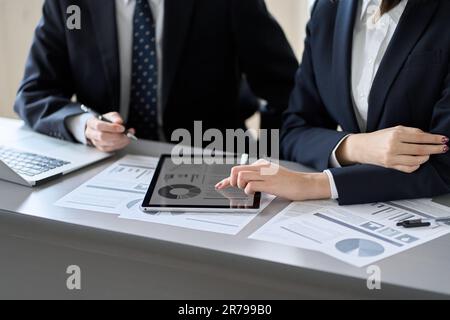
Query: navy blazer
209	45
411	88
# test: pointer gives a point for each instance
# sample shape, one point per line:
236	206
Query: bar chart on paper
123	181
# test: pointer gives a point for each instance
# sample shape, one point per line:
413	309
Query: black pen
418	223
104	119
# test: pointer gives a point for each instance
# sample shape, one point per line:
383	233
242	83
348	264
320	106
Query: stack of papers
226	223
121	188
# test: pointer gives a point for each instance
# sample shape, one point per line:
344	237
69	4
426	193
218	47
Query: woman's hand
283	183
401	148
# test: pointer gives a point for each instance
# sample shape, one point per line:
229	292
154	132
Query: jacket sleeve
44	97
365	183
309	134
265	55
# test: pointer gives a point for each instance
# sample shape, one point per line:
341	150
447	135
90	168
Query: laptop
31	159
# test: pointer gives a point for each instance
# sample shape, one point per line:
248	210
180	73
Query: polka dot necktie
144	84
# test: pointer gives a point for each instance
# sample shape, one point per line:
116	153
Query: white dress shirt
371	39
124	18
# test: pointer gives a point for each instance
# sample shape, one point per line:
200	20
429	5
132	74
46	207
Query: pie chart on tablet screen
179	191
360	247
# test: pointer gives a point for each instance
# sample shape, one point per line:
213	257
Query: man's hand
108	137
400	148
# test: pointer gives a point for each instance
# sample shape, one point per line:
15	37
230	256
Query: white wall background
18	19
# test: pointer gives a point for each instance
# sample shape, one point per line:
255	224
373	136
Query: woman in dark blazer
379	70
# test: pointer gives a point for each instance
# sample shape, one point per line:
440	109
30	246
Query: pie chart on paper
360	248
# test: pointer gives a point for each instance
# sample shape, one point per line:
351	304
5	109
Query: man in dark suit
158	64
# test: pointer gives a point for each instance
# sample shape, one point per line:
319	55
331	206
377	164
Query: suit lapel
176	24
411	27
342	62
103	14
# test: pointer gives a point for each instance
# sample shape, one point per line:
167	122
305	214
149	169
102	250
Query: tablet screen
193	186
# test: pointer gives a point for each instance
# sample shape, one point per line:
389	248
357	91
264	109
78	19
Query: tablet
191	188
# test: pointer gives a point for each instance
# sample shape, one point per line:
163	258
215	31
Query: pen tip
132	137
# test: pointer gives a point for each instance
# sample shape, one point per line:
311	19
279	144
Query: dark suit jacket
208	46
412	88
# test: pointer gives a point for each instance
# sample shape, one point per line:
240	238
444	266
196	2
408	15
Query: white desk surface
422	269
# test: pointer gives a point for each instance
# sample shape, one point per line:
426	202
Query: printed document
226	223
121	188
359	235
124	180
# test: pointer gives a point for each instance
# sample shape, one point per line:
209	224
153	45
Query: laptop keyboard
29	164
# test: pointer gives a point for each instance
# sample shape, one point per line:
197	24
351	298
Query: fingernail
445	149
445	140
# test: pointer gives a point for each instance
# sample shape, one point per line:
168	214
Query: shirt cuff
334	163
77	126
333	188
